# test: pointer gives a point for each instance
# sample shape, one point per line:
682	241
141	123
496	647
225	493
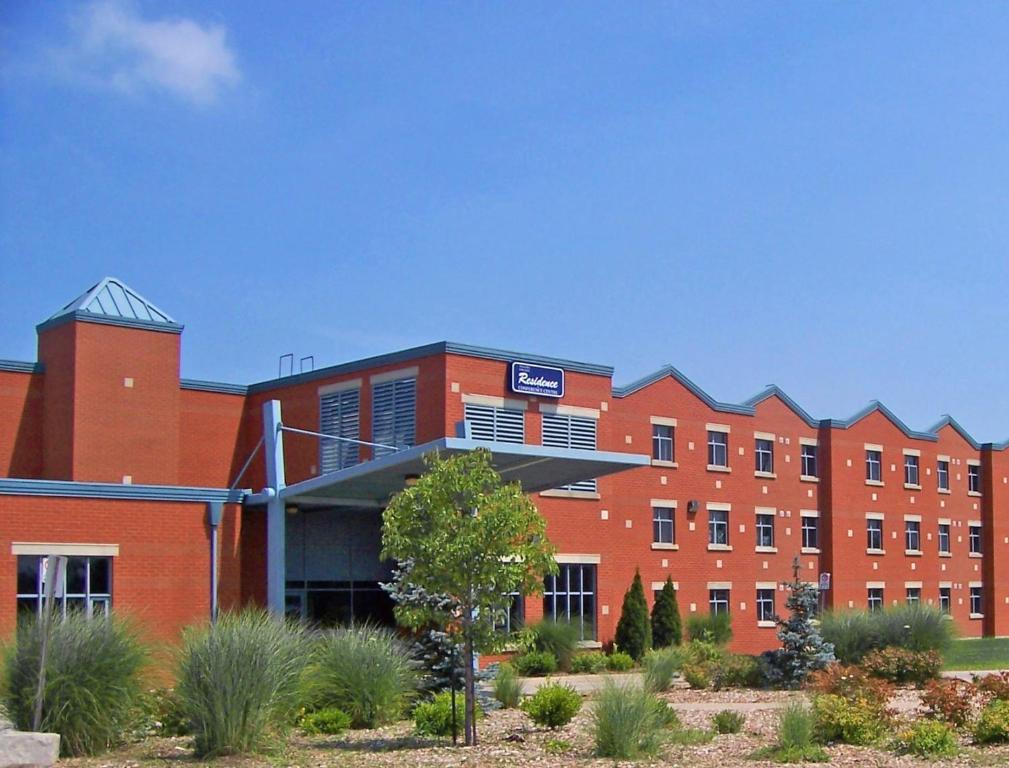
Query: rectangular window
942	475
765	530
501	425
913	595
718	526
807	457
944	599
663	525
394	415
874	534
571	596
875	599
810	533
562	431
339	416
912	535
765	605
663	445
511	616
910	470
763	455
944	538
874	466
974	478
974	537
718	449
87	585
718	601
975	601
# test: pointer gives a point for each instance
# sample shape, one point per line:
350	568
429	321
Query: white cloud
115	47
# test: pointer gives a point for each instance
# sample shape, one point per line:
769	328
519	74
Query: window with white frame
566	431
765	605
765	529
763	452
87	585
942	474
874	534
510	617
718	527
912	535
874	466
570	596
718	448
944	599
974	539
810	532
976	606
910	469
340	416
663	445
663	525
944	538
974	478
912	595
875	598
394	415
718	601
495	424
807	459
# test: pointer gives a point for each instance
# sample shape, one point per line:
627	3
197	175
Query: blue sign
528	379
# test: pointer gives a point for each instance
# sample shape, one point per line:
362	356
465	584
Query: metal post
54	573
273	442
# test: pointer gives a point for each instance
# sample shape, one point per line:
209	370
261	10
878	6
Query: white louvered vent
503	425
394	414
339	415
561	431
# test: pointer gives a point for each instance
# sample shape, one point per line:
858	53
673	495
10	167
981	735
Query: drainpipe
214	513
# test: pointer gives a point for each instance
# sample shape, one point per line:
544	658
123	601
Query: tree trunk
470	696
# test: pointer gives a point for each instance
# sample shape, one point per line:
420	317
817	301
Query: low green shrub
660	668
627	722
899	665
366	671
697	676
618	661
507	688
856	721
736	671
728	721
588	663
665	715
559	638
711	628
952	701
795	742
702	652
554	705
535	664
556	746
928	738
993	724
92	687
689	737
161	714
434	717
330	721
914	627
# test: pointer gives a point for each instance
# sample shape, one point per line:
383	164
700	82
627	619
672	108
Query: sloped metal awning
536	467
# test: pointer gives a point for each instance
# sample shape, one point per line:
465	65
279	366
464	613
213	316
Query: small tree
634	631
474	538
802	650
666	627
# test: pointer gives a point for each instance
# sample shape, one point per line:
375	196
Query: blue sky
814	195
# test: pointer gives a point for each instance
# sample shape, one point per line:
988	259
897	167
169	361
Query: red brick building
150	483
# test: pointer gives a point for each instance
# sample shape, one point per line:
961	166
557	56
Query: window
663	525
973	478
718	526
913	595
394	414
488	422
944	599
511	616
975	601
910	470
875	598
974	538
562	431
87	585
874	466
942	475
810	533
718	449
571	596
807	456
944	538
663	447
764	455
765	605
874	531
718	601
339	415
912	535
765	530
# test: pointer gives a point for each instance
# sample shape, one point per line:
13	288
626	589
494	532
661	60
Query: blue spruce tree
803	649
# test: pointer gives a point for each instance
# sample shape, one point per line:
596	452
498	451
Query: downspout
214	513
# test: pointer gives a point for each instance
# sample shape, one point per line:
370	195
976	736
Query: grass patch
979	653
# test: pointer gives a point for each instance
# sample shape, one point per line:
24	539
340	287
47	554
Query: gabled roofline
947	420
872	407
19	366
670	371
772	390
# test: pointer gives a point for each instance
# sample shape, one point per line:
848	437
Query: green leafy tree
634	631
666	627
474	538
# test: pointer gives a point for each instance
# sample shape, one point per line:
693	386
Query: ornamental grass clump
239	681
366	671
914	627
627	722
507	687
795	743
660	668
93	682
558	638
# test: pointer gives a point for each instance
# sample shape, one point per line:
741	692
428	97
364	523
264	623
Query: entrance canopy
536	467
